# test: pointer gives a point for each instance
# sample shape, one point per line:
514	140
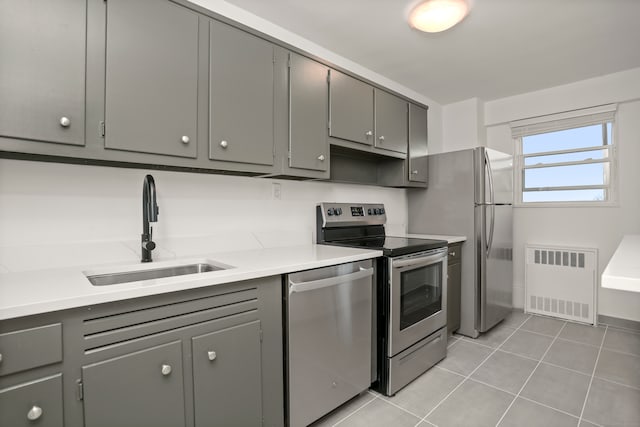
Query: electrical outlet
276	190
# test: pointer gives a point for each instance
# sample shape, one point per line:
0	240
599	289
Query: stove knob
382	211
376	211
330	211
369	211
339	211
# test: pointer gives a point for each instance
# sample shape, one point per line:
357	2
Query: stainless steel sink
157	273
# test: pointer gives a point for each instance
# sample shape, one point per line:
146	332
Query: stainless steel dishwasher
328	338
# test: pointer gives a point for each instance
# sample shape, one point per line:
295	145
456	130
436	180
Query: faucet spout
150	213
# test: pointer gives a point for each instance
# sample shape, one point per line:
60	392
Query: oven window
420	294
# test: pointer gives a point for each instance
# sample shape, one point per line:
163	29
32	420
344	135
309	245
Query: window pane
587	136
566	157
563	196
562	176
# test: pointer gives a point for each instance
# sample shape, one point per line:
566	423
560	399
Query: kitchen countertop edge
44	291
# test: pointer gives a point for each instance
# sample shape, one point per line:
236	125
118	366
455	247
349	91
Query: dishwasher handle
330	281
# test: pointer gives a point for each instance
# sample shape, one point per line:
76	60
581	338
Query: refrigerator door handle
491	202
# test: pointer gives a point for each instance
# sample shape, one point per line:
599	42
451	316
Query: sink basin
157	273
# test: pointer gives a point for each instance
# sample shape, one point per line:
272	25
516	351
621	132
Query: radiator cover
561	282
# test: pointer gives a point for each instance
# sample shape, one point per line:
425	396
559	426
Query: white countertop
623	270
449	239
40	291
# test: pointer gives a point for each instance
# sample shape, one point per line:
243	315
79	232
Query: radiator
561	282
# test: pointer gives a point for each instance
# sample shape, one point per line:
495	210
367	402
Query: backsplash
55	214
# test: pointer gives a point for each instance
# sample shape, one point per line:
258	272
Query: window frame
564	121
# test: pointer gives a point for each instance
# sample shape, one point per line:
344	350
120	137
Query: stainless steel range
411	295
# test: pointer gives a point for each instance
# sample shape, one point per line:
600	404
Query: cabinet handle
185	139
65	122
381	138
0	357
166	370
212	355
224	144
321	157
34	413
414	172
369	133
452	253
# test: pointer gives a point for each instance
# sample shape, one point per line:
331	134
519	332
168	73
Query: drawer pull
34	413
212	355
166	370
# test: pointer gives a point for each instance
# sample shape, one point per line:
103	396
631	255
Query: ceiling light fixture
433	16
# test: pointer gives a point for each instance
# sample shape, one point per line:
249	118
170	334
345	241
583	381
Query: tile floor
527	371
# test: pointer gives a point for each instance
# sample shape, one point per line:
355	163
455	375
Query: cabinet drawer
454	253
35	403
30	348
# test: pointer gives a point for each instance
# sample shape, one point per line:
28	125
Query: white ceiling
502	48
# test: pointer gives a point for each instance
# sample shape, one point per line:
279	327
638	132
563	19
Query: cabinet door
351	108
35	403
391	122
151	77
227	378
417	143
308	111
42	70
144	388
241	96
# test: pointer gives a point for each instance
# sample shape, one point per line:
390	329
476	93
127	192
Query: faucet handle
150	245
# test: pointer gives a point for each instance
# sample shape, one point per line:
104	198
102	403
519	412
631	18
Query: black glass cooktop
392	245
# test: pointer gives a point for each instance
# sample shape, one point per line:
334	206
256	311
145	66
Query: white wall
599	227
462	125
58	204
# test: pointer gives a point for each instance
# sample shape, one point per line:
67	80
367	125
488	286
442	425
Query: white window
566	158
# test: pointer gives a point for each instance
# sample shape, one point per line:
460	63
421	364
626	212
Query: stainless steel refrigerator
470	193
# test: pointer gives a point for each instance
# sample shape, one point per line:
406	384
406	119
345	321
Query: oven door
418	297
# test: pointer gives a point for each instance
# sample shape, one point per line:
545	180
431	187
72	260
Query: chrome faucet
150	213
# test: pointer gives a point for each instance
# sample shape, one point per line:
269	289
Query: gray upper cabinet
227	377
351	109
417	144
308	114
391	122
144	388
241	124
42	70
151	96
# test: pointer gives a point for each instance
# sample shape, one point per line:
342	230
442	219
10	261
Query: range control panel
350	214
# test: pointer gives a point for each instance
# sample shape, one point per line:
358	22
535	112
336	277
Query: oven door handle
330	281
421	261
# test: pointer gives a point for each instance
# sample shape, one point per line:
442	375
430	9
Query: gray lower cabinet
227	377
308	114
42	70
418	139
391	122
35	403
210	356
454	271
350	109
137	389
151	87
241	96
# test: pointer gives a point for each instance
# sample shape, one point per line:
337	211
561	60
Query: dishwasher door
328	338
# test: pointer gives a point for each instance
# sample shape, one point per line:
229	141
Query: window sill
567	205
